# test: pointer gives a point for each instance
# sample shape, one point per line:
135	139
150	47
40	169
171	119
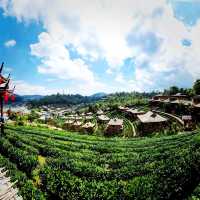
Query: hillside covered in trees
70	99
113	99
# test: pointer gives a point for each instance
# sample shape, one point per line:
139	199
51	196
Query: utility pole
5	93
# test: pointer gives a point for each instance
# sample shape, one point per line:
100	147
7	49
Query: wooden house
155	100
179	97
76	125
103	119
196	101
71	116
78	118
100	112
122	109
132	113
88	127
188	122
160	97
195	109
88	118
89	114
68	124
151	122
115	126
183	102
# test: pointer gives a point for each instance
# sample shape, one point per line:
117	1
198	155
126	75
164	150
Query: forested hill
69	99
108	99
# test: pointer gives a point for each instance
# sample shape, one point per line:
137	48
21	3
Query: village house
88	127
76	126
195	109
188	122
179	97
160	97
196	101
155	100
89	114
115	126
103	119
176	99
132	113
78	118
68	124
99	112
183	102
88	118
122	109
151	122
107	109
70	116
45	117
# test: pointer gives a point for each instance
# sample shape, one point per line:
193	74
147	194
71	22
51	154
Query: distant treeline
115	99
61	99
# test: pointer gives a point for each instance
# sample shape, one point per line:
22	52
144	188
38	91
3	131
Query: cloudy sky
89	46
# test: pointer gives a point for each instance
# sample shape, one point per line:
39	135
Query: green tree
196	87
173	90
32	116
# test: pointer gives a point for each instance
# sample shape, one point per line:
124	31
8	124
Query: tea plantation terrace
64	165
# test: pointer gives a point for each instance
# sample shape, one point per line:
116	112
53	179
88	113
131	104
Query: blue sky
100	46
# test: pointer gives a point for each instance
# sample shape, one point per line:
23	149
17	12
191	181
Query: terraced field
63	165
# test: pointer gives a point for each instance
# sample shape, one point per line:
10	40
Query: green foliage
78	166
26	186
196	87
33	116
173	90
23	160
122	99
63	100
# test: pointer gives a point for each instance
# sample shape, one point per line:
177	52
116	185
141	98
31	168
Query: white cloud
24	88
56	61
120	78
99	30
10	43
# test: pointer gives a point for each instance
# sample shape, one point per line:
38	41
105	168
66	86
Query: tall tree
196	87
173	90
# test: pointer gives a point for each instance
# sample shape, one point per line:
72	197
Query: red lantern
6	97
12	97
